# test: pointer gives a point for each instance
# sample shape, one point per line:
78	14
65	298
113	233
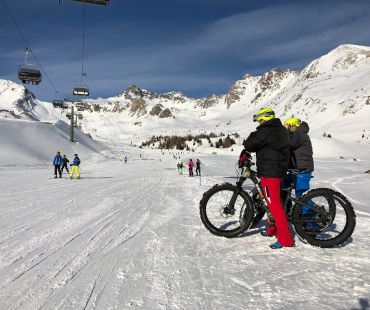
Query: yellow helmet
264	114
293	122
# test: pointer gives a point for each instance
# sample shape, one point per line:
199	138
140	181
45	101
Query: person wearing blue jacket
75	167
57	162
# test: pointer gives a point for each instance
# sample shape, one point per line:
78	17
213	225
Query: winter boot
276	245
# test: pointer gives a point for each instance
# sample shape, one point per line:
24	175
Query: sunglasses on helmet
257	116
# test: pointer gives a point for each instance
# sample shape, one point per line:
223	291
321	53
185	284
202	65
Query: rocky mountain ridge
332	90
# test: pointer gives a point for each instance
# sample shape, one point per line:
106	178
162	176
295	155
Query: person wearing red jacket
271	144
191	166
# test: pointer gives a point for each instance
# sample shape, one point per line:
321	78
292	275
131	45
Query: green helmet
264	114
293	122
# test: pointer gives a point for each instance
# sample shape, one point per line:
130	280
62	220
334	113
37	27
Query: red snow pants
271	189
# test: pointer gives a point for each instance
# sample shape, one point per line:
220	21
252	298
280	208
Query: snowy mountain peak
16	101
344	57
332	89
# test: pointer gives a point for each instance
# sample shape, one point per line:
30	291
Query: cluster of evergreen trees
182	142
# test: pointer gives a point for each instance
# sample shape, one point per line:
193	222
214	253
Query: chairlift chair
100	2
81	91
80	104
58	103
29	74
80	116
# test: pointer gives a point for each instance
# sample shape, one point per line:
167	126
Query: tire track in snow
122	238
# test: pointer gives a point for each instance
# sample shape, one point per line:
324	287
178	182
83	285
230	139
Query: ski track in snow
130	237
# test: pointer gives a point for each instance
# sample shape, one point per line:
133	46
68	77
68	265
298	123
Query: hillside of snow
332	94
129	236
32	143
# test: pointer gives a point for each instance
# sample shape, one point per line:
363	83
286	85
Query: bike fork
230	208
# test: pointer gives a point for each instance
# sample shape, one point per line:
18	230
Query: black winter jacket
271	143
301	149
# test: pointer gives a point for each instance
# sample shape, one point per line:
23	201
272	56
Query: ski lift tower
74	121
71	127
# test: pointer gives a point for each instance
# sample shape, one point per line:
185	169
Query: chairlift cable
83	43
28	46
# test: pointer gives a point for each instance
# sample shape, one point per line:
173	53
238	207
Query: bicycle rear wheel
221	221
330	228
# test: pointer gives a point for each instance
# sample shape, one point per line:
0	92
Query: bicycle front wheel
219	217
330	227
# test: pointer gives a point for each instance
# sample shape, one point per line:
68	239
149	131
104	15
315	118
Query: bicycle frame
248	173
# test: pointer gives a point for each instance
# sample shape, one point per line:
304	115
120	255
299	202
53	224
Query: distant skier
75	167
197	165
57	163
180	167
125	159
65	162
191	166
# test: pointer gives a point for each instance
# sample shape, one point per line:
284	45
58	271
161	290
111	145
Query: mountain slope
30	143
332	93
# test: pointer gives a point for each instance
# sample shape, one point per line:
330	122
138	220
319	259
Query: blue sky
198	47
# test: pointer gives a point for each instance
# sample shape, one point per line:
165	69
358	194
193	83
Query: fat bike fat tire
346	205
248	211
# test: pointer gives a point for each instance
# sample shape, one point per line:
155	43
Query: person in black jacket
301	160
65	162
300	145
270	142
301	155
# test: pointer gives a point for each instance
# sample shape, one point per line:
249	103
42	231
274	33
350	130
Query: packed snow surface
129	236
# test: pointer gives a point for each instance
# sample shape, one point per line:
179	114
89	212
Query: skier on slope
180	167
191	167
65	162
271	143
197	169
57	161
75	166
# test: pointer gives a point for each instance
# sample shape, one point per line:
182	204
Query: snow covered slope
16	101
332	93
30	143
129	236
